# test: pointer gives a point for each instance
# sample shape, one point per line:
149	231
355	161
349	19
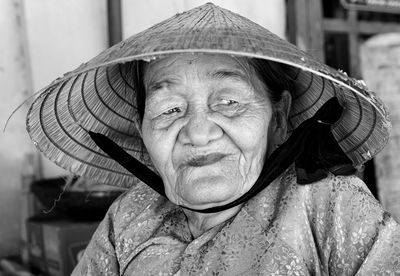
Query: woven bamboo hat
99	95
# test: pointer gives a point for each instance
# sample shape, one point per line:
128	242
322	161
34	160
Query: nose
200	130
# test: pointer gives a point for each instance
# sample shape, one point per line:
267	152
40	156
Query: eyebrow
154	84
224	74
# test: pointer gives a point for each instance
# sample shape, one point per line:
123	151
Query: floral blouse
332	227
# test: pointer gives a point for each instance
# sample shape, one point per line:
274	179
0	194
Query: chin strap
311	147
130	163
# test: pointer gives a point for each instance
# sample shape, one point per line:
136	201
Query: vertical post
305	26
316	33
291	21
300	15
354	46
114	21
16	83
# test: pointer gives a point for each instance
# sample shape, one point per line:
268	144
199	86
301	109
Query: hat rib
311	104
371	130
94	159
92	113
298	70
97	117
125	80
357	125
96	90
50	136
60	124
76	122
112	87
308	87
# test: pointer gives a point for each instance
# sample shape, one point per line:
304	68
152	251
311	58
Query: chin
209	192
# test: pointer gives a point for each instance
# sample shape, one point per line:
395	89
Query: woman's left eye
228	107
229	102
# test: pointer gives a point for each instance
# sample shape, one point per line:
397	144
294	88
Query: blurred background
42	39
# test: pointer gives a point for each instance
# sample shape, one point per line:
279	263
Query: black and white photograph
189	137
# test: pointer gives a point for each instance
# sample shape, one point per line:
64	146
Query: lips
205	160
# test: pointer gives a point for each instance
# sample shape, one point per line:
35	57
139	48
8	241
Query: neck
201	222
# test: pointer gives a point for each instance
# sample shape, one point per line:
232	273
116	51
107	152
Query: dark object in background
89	205
56	245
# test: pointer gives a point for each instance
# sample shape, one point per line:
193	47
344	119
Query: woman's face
206	126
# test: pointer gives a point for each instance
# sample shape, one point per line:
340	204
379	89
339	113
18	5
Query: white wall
138	15
51	37
62	34
15	86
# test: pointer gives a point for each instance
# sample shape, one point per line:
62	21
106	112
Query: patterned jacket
331	227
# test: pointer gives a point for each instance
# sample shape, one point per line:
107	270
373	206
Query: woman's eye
228	107
172	111
229	102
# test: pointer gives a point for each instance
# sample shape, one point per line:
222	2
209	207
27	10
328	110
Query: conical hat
99	95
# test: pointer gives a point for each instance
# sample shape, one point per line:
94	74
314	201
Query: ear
279	121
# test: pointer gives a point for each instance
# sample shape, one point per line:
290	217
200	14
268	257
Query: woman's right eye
172	111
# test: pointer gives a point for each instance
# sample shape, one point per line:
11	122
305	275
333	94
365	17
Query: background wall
380	67
15	86
62	34
42	39
138	15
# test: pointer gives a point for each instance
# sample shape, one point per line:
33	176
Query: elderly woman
248	146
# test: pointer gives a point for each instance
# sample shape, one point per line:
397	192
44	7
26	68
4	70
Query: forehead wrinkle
224	74
240	70
158	67
237	69
169	61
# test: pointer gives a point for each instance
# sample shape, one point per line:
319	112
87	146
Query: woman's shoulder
351	226
335	189
321	203
342	207
139	201
136	198
337	216
327	187
285	194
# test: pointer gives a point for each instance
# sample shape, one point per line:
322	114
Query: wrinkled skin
208	126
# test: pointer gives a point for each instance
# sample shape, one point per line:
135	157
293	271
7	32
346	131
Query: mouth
205	160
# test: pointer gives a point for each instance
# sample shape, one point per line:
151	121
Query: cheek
250	133
160	145
156	143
